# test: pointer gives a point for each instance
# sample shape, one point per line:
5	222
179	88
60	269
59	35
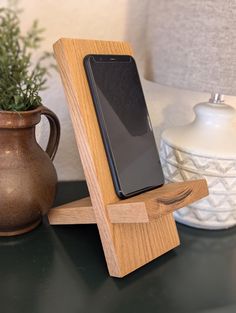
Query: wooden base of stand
133	231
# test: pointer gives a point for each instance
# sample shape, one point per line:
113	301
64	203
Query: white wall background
108	20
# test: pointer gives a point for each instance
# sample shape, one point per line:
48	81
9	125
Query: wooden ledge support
156	203
76	212
143	208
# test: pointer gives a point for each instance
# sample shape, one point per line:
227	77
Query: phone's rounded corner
121	195
117	188
161	184
163	181
87	58
132	59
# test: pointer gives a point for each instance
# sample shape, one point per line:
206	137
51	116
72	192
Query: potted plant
27	175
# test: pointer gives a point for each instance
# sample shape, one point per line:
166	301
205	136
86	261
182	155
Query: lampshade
191	44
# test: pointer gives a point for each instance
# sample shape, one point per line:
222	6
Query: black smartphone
124	123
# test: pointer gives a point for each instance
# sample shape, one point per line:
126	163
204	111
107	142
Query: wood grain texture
157	203
139	209
126	246
76	212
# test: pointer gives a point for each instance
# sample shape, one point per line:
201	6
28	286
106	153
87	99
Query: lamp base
205	148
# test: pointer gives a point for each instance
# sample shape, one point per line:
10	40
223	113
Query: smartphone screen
124	123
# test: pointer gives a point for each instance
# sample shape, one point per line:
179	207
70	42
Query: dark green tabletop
62	269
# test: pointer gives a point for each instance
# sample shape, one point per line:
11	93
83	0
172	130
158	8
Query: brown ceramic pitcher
27	175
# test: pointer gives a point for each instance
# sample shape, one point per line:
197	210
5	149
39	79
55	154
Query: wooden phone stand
133	231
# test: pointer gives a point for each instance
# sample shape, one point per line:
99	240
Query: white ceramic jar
205	148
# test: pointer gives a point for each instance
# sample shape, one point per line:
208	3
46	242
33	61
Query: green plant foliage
20	80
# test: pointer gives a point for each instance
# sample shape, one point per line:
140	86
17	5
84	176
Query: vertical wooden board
126	246
138	244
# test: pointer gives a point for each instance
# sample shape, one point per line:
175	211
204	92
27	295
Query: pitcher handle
55	131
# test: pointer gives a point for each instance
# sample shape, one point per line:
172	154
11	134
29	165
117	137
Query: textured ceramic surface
197	151
28	178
